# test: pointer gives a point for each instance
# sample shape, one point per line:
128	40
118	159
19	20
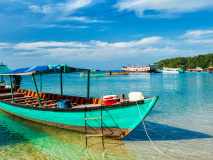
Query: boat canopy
4	69
47	69
94	70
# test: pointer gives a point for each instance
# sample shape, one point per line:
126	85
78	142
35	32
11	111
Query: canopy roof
93	70
48	69
4	69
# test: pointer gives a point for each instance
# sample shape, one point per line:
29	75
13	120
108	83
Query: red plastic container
110	99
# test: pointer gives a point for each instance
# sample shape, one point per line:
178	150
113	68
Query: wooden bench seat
42	102
9	95
31	101
20	99
49	105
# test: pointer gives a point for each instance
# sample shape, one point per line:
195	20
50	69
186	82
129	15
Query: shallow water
180	125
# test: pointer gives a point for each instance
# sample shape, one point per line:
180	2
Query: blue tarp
47	69
34	70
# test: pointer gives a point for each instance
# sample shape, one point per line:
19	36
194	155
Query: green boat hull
92	75
119	120
198	72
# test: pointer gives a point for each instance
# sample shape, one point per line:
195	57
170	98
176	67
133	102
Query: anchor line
146	130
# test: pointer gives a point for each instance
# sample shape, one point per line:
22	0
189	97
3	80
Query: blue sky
103	34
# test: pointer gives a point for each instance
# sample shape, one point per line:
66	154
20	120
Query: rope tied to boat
146	130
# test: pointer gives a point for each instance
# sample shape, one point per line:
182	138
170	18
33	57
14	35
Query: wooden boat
117	72
157	70
171	70
93	73
138	69
210	69
87	115
197	70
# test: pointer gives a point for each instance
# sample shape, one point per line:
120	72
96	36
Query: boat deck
48	100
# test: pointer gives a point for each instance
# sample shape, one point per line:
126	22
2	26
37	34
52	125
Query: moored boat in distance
108	116
210	69
197	70
157	70
116	72
172	70
93	73
138	69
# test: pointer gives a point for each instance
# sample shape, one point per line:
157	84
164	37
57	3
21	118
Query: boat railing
48	100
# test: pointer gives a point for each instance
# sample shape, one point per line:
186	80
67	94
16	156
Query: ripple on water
180	124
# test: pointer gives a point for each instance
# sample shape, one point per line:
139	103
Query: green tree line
203	61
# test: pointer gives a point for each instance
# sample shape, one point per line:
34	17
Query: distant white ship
139	69
171	70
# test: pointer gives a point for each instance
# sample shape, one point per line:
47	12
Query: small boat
107	116
157	70
93	73
117	72
171	70
197	70
138	69
210	69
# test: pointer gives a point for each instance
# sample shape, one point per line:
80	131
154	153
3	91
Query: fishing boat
172	70
117	72
107	116
157	70
93	73
197	70
210	69
138	69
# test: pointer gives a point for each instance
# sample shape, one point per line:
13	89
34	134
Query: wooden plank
49	105
94	135
36	100
19	98
29	100
9	95
41	102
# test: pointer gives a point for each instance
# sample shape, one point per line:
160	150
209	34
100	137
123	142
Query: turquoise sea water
180	125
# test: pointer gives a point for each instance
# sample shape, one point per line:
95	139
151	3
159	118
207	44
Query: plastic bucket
64	104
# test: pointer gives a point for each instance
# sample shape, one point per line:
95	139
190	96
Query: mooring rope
146	130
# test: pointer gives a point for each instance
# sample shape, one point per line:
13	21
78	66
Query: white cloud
53	44
66	8
140	43
163	8
4	45
61	11
83	19
56	26
198	36
47	9
96	51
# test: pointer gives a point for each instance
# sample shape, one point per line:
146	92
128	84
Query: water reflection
53	142
181	120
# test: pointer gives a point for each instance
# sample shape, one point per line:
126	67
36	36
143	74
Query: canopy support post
11	86
61	84
39	100
88	83
40	83
1	79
